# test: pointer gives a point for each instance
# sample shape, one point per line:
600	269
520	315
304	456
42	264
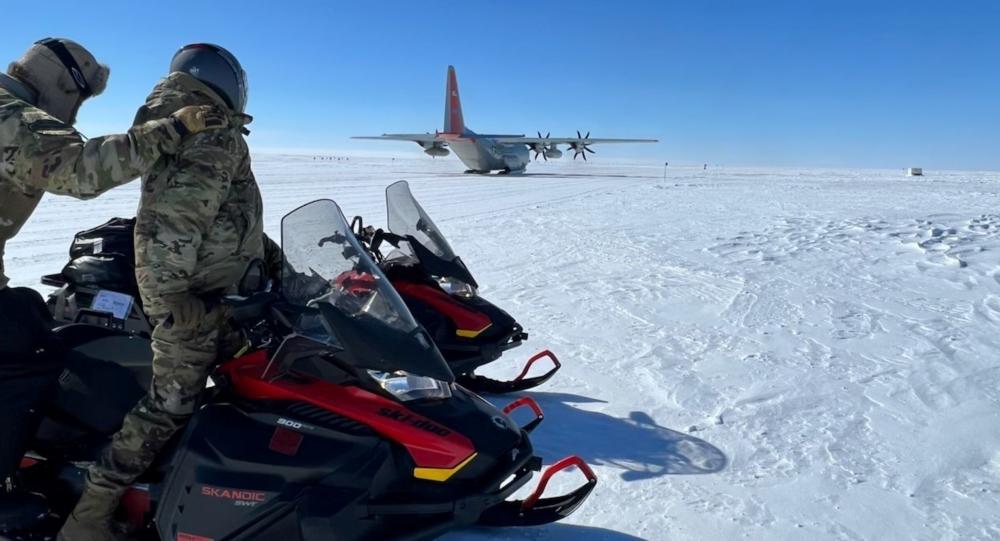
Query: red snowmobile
342	420
442	295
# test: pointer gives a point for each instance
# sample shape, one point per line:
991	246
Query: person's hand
198	118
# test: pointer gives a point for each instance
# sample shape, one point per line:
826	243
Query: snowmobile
340	420
443	295
436	285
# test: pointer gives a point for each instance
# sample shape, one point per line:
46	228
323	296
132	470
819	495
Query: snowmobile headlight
407	387
457	288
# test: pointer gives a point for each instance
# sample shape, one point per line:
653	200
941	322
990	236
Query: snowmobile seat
107	372
125	349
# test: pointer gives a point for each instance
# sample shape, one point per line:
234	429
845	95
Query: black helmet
217	68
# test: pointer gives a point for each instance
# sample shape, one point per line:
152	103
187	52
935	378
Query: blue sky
826	83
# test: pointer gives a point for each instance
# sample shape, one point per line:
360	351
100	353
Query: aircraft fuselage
483	154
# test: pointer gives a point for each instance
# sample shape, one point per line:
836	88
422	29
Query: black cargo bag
112	271
104	257
113	237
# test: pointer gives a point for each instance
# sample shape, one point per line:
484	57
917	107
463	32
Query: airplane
481	153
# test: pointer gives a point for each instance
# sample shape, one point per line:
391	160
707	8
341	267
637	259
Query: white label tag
117	304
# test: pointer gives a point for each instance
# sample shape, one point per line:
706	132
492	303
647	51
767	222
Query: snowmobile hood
353	305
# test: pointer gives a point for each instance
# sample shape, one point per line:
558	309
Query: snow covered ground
758	354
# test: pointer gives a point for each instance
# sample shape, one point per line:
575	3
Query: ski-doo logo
254	496
414	421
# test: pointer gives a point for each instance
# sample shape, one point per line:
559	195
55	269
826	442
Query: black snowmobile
342	421
442	295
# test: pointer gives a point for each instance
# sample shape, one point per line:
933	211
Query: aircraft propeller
581	147
541	148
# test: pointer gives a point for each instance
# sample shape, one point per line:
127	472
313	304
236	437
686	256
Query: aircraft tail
454	122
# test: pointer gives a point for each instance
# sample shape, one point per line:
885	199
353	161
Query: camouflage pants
182	359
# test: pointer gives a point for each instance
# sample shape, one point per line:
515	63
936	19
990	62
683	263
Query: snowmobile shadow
635	444
553	532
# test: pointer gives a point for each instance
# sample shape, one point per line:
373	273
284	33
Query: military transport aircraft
485	153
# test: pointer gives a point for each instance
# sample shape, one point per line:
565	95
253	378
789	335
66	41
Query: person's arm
55	158
184	211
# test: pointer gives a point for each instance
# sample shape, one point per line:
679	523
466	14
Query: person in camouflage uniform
198	227
40	153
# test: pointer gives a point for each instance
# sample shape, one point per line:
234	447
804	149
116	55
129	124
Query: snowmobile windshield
408	219
351	304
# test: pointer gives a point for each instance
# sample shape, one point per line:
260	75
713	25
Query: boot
91	519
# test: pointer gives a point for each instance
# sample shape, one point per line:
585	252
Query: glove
198	118
185	310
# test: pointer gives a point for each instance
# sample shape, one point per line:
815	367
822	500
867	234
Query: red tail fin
453	120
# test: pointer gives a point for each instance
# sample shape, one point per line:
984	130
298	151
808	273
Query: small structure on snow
915	172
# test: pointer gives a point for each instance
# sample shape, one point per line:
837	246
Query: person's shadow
635	444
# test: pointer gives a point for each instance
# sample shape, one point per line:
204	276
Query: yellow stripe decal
472	334
441	474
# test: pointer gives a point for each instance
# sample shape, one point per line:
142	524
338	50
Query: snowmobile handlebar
265	318
378	236
251	308
369	237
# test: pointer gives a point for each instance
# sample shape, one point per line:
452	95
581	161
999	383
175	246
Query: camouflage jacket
39	154
200	218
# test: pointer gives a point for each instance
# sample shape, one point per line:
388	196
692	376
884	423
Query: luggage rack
73	303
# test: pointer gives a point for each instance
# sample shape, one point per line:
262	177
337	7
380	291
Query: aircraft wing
566	140
415	137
